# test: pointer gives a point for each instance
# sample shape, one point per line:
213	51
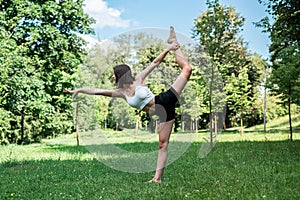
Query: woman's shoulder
119	92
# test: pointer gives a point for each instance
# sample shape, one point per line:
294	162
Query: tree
285	49
208	81
217	30
41	53
238	95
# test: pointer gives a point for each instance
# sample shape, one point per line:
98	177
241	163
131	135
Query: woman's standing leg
164	131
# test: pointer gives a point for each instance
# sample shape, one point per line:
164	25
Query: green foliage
217	30
284	34
5	126
238	92
39	55
284	49
285	78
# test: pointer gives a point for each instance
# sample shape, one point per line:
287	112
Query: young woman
134	91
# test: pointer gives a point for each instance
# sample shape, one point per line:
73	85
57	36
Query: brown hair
123	75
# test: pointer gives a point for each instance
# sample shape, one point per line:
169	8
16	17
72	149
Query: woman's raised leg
186	69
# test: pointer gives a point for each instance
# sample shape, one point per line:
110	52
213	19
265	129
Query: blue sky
117	16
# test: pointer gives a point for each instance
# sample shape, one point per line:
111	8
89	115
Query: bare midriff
150	107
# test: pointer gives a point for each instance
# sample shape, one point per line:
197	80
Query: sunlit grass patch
282	123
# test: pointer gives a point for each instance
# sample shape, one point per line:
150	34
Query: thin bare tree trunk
242	130
77	123
290	120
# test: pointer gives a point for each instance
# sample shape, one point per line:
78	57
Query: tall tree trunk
196	125
216	125
22	125
211	129
77	123
290	119
242	130
137	125
224	122
210	107
265	100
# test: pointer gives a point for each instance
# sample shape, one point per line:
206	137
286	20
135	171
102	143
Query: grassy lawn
253	166
282	123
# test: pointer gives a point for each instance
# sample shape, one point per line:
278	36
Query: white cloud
105	16
92	42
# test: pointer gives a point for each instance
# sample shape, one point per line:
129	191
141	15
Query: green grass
282	123
266	167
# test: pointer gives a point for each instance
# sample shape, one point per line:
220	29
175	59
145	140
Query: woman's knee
163	144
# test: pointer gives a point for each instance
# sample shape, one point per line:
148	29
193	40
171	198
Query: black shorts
165	104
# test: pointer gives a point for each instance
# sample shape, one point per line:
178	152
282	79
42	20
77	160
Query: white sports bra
141	97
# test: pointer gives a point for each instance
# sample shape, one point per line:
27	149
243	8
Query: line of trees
242	74
41	54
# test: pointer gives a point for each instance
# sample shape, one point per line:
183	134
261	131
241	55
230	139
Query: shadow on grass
137	157
72	149
232	170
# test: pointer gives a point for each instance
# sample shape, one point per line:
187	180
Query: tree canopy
284	30
40	54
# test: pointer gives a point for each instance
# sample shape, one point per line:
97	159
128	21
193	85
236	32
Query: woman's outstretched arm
141	76
95	91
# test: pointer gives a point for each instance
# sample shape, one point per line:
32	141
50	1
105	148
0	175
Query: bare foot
172	36
154	181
